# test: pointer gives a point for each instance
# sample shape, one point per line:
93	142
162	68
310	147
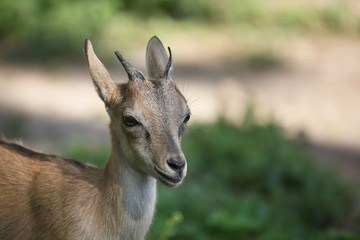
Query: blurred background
274	87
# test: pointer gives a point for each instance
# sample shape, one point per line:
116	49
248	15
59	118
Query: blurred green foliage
49	29
251	182
184	9
262	60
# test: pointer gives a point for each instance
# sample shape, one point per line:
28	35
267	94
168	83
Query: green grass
249	182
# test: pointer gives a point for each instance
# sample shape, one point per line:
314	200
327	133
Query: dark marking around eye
130	121
187	118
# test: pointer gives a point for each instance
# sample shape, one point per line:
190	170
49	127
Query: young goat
47	197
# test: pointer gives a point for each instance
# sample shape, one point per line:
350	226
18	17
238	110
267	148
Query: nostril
176	165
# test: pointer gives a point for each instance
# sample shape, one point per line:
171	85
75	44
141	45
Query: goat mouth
168	180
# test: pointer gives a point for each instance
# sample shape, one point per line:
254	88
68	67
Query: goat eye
130	121
187	118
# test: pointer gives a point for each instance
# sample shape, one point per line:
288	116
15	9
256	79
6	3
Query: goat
47	197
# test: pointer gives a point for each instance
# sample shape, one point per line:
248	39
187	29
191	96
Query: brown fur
34	185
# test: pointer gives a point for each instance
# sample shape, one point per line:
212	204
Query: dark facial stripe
147	137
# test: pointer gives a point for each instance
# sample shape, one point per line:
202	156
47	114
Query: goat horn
133	73
169	66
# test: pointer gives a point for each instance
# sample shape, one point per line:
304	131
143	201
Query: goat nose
176	165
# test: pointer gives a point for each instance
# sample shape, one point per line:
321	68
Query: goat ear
104	85
158	64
